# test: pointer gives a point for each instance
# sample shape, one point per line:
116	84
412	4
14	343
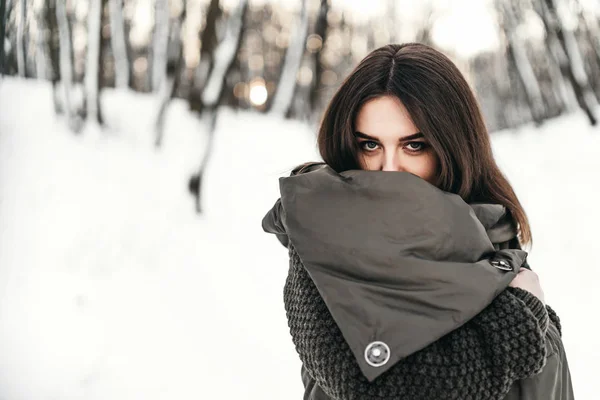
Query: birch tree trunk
41	69
2	34
118	44
208	43
518	53
173	81
224	58
53	51
575	69
593	31
557	61
65	57
93	62
293	58
160	43
321	30
20	37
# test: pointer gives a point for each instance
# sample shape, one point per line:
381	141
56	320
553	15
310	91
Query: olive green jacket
400	262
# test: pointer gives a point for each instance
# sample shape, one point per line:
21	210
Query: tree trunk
92	64
213	92
321	30
41	69
53	51
575	69
118	44
208	43
518	54
293	59
224	56
160	44
66	67
21	37
2	34
593	32
173	81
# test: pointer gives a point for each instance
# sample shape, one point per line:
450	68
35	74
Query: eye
369	145
415	146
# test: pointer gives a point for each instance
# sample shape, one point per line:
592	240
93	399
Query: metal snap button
501	264
377	354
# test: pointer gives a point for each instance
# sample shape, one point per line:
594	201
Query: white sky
464	27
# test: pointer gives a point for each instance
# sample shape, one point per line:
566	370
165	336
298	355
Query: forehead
385	117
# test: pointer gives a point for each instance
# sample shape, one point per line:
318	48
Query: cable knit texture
554	318
479	360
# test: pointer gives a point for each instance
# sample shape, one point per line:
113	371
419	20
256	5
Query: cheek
370	162
425	167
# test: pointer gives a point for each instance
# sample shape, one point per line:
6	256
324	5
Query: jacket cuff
554	319
535	305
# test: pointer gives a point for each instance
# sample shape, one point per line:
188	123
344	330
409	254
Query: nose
391	162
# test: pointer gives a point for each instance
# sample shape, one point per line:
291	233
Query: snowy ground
112	288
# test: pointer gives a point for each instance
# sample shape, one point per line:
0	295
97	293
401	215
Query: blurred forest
287	58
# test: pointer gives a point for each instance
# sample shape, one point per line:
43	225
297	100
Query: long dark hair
441	105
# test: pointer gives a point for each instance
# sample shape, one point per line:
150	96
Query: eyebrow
417	135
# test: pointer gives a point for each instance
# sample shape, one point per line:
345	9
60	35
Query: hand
528	280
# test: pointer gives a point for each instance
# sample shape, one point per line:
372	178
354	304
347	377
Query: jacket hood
396	260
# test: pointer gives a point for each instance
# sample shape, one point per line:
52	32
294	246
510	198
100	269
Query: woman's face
390	141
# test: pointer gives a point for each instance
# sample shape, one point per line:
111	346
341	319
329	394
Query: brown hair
441	105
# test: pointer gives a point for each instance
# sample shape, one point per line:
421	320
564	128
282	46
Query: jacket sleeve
312	391
272	223
554	319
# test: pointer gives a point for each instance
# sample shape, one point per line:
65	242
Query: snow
111	287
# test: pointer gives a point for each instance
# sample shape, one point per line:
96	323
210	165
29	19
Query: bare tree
160	44
174	72
208	43
2	34
21	37
92	64
572	63
320	30
40	45
293	58
118	44
593	30
213	92
66	66
53	51
518	54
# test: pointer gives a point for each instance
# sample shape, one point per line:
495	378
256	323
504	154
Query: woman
412	284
